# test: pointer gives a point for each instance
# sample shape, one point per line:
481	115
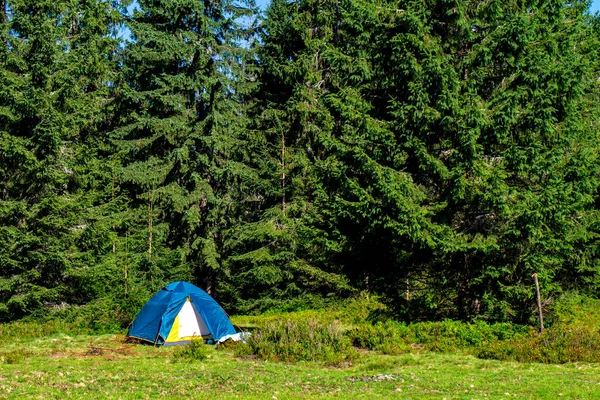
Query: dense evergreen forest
435	153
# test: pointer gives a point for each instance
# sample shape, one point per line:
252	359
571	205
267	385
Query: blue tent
178	313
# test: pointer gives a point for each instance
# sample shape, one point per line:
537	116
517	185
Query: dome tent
177	313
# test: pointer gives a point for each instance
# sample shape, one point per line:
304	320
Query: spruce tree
282	250
179	133
53	68
450	147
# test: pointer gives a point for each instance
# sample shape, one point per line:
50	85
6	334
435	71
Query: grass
437	360
82	366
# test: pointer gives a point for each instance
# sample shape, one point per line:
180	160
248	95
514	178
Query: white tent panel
190	322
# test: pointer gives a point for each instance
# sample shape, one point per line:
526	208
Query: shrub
291	341
452	335
573	309
21	330
361	309
350	311
388	337
101	316
195	350
395	338
559	344
13	357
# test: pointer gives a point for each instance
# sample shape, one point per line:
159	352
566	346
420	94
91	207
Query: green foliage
27	330
435	154
195	350
101	316
573	309
397	338
559	344
13	357
573	335
178	137
54	62
350	312
300	340
383	337
361	309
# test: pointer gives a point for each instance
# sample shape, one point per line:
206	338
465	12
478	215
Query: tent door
190	322
187	325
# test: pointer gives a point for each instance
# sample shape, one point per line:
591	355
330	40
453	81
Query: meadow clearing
103	366
320	354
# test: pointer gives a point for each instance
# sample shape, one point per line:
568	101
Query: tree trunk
283	172
3	16
126	266
150	226
210	282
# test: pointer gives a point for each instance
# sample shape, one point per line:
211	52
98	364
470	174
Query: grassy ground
103	367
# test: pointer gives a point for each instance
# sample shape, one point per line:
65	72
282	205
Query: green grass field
103	366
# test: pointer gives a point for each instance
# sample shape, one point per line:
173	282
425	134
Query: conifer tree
179	134
52	86
435	153
451	150
282	250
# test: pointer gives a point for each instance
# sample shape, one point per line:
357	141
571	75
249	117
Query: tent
177	313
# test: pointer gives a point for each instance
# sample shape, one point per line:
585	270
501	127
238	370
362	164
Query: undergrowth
557	345
309	335
13	357
573	335
334	336
353	311
195	350
291	341
104	316
392	337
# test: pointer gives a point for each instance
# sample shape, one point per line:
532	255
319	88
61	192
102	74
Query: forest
432	153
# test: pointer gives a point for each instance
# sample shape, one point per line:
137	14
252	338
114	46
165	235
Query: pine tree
434	153
179	133
529	82
52	71
451	150
281	249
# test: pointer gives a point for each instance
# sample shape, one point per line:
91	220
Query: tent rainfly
178	313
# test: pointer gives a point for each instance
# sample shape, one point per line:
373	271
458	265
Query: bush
350	311
13	357
101	316
360	309
292	341
195	350
573	309
388	337
395	338
453	335
22	330
559	344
